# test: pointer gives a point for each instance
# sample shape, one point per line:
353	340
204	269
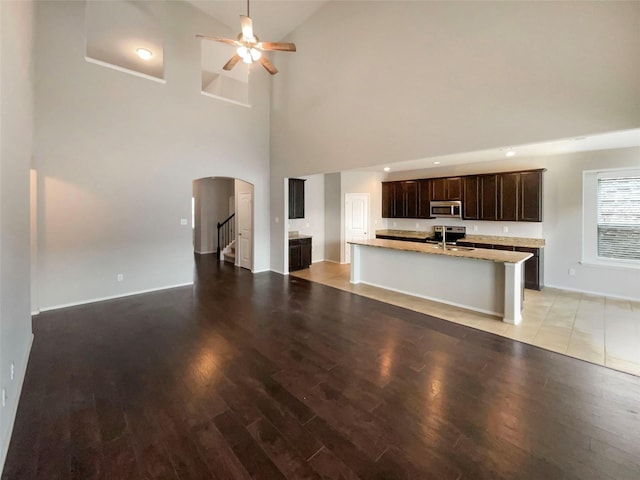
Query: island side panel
465	282
355	263
513	293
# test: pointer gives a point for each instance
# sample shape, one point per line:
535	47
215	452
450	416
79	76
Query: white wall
116	155
332	216
16	106
477	75
314	216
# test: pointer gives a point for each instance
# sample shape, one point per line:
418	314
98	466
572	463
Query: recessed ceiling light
386	169
144	54
436	163
510	153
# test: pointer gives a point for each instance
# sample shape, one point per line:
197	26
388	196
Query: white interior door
245	229
356	215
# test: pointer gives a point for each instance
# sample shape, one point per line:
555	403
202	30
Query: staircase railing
225	235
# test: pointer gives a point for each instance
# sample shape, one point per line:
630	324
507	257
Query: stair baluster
225	235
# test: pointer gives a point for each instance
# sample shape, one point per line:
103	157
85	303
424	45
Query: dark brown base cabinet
299	253
533	268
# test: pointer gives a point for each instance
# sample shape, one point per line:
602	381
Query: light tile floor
597	329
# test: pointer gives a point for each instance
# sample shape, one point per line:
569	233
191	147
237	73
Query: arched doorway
228	203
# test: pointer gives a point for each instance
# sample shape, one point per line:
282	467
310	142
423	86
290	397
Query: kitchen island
486	281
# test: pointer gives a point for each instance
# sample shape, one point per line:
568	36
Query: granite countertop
511	241
502	256
297	236
405	233
490	239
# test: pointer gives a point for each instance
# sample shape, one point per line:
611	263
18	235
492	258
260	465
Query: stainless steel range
450	234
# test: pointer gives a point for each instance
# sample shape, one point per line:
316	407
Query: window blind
619	218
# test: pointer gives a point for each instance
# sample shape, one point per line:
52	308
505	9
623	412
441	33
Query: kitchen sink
451	248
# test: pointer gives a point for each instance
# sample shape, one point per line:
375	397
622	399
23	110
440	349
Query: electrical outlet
307	224
13	370
184	221
395	224
120	277
505	229
475	228
572	272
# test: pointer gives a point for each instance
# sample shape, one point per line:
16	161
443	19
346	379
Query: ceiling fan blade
235	43
281	46
232	62
268	65
247	27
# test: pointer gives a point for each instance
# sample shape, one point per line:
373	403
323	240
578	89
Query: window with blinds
619	218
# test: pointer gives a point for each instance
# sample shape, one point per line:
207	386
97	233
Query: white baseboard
590	292
278	271
204	253
21	372
111	297
261	271
330	261
318	261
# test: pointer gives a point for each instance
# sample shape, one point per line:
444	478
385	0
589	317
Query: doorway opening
223	219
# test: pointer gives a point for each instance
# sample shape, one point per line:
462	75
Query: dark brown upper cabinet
446	188
296	198
388	199
488	197
424	198
400	199
531	196
471	195
508	198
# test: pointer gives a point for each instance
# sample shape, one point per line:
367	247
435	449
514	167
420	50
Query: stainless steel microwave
445	209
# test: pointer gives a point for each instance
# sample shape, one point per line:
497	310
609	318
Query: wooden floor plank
264	376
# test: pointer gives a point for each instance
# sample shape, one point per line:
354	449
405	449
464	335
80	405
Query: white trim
318	261
225	99
331	261
11	414
204	253
261	271
611	265
125	70
111	297
437	300
278	271
35	312
590	292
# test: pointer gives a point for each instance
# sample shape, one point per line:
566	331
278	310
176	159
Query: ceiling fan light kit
249	48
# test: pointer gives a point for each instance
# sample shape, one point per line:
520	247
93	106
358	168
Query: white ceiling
605	141
272	19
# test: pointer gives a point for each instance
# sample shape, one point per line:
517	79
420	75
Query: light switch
183	221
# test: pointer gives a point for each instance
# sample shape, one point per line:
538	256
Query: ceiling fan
249	48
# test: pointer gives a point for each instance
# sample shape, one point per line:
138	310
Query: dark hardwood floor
270	377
